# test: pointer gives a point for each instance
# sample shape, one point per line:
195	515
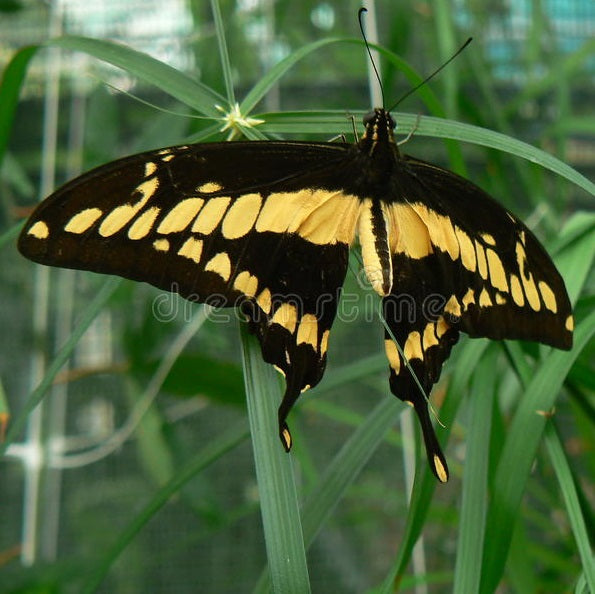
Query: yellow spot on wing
308	331
318	216
286	316
286	438
468	299
39	230
497	274
118	218
241	216
209	188
527	278
412	237
570	323
440	229
392	354
441	327
191	249
453	307
531	292
412	348
516	290
324	342
211	214
161	245
150	168
264	301
429	337
83	220
485	299
489	239
122	215
246	283
482	263
282	210
144	223
440	469
180	216
548	296
333	221
147	189
220	264
468	257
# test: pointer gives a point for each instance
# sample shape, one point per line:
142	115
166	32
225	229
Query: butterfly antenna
428	78
361	27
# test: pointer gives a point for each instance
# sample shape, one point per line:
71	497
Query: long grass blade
223	53
571	500
519	452
343	471
276	486
475	477
10	89
168	79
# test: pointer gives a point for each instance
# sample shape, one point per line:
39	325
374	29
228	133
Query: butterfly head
379	126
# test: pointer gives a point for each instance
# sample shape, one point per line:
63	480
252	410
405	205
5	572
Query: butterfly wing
256	225
461	263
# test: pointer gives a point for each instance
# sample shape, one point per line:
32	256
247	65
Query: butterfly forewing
228	224
267	226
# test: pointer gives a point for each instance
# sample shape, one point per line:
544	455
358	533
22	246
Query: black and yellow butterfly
267	226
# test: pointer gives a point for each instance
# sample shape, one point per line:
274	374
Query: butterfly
267	226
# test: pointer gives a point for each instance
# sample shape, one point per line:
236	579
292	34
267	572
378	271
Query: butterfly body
267	226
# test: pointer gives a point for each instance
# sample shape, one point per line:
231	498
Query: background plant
178	484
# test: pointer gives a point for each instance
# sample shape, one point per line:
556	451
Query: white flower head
234	121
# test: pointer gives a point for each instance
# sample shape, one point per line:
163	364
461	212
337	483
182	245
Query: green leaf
171	81
274	471
475	477
519	451
344	470
436	127
262	87
10	89
569	493
223	54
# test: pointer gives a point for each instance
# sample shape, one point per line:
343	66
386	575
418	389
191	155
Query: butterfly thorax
378	149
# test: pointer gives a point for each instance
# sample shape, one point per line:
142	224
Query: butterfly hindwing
500	281
461	262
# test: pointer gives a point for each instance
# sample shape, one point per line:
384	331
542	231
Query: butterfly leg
413	130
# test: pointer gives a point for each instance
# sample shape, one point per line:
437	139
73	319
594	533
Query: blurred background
115	426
